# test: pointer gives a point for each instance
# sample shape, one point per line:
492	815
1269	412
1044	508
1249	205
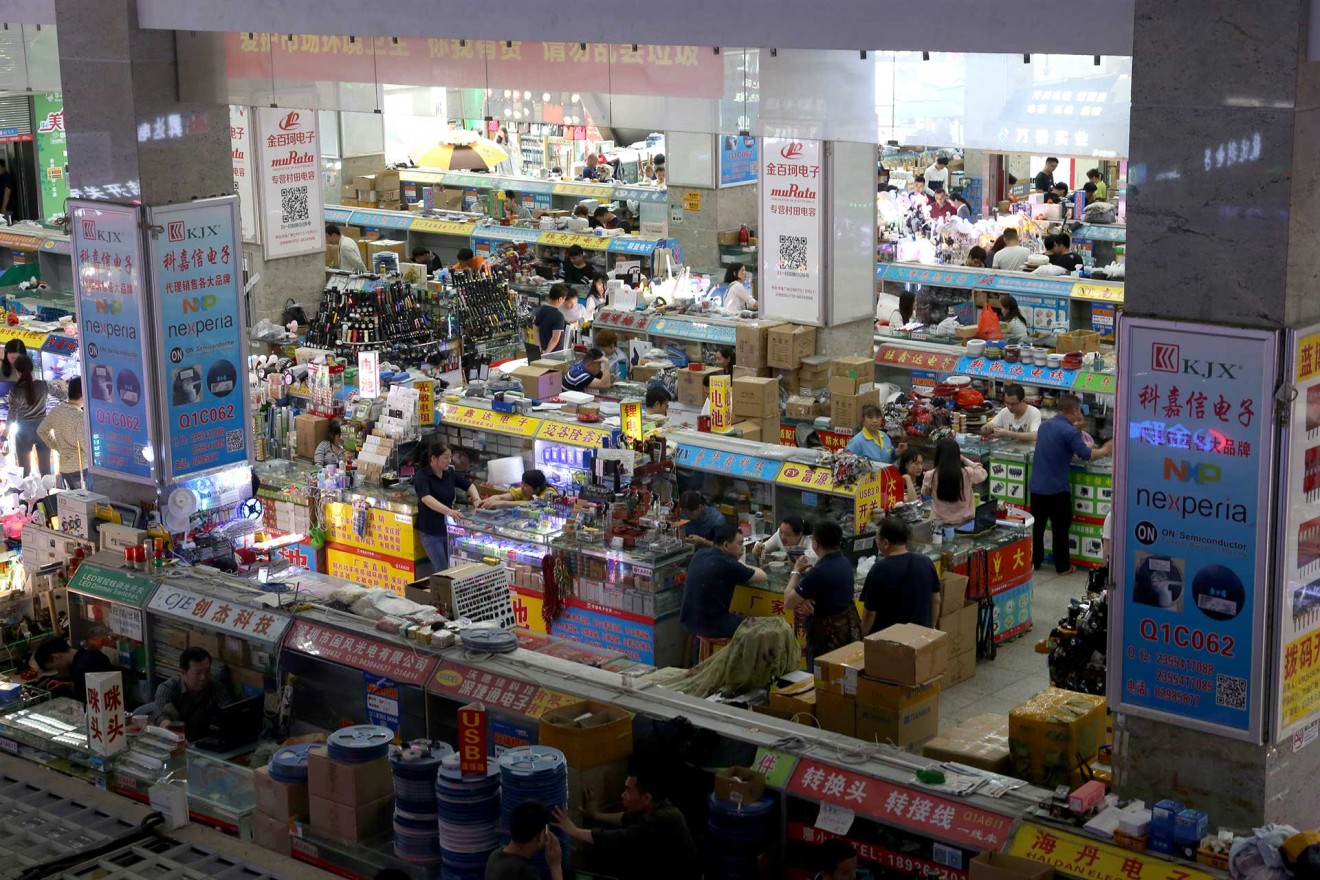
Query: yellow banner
1301	678
583	190
441	227
33	339
1089	859
388	533
425	401
1098	292
812	479
573	434
567	239
1308	357
721	403
369	569
632	420
489	420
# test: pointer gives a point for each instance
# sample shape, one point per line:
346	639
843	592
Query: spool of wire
534	773
491	641
469	818
360	744
289	764
744	832
414	768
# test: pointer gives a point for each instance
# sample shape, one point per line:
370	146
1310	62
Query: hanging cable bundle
557	583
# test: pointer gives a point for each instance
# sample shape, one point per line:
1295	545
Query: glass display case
221	791
53	732
517	536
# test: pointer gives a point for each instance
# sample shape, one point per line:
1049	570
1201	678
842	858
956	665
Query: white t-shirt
738	297
1012	258
1028	423
936	174
350	258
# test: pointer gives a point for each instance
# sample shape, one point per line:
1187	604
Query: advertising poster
1298	663
52	151
739	157
201	343
1194	469
382	701
107	272
792	249
245	185
289	166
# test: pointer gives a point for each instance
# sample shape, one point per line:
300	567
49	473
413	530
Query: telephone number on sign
1187	637
205	416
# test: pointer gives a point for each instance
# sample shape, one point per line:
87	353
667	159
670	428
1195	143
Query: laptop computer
985	519
239	724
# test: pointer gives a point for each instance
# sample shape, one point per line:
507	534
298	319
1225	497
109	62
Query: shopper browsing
350	257
330	450
951	482
64	429
549	320
27	410
468	261
962	205
192	698
55	655
901	587
938	172
912	467
608	342
1017	420
1057	195
534	485
529	835
712	576
1062	254
1057	441
437	485
578	270
604	218
824	590
919	192
1013	256
737	297
871	441
791	535
703	521
1045	179
941	207
588	373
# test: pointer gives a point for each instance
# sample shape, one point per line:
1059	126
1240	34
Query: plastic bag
988	326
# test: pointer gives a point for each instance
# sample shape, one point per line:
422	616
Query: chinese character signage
399	663
1298	664
1194	466
632	420
739	158
792	245
196	266
489	420
289	168
227	616
111	585
52	151
105	713
747	467
1078	856
721	403
245	184
472	738
108	277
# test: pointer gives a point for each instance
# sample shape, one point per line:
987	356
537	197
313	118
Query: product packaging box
646	372
552	364
740	372
755	398
906	654
692	386
739	784
953	591
837	671
846	409
348	784
769	428
589	734
814	374
795	696
747	429
802	408
790	381
903	726
539	382
279	800
836	712
311	431
605	781
855	366
849	385
1049	731
788	344
353	822
752	344
991	865
960	626
270	833
961	668
980	742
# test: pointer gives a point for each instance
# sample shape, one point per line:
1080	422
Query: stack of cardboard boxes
278	805
980	742
852	386
597	741
349	801
958	620
379	190
756	408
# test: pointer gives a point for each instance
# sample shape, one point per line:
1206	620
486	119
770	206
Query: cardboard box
980	742
753	372
886	695
741	785
903	725
349	822
645	373
588	733
605	782
209	641
837	672
961	668
802	408
348	784
906	654
271	833
747	429
848	385
692	386
836	712
332	256
797	697
815	372
234	651
752	343
279	800
769	428
755	398
790	381
1049	731
991	865
953	591
960	626
553	364
311	431
540	382
788	344
846	409
857	366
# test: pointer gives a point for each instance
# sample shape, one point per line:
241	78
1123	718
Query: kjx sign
1164	358
177	231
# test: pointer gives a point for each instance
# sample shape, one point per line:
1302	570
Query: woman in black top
437	485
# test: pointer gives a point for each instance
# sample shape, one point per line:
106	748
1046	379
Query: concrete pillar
1225	141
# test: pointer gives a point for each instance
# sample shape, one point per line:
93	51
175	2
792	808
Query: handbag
294	312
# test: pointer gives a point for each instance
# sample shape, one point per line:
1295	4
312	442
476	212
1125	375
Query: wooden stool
702	647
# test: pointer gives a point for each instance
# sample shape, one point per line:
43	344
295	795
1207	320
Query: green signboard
111	585
1095	383
777	766
52	152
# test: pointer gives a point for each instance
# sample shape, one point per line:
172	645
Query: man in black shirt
1045	179
577	270
8	191
901	587
1061	254
55	655
432	263
529	834
549	320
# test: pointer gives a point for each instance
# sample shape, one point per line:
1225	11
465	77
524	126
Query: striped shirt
63	428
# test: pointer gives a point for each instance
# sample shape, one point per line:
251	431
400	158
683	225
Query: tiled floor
1017	673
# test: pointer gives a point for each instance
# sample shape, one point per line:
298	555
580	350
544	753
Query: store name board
748	467
1193	506
396	662
568	239
632	635
111	585
225	615
819	479
777	766
911	808
462	682
489	420
388	533
694	331
370	569
1087	857
625	320
893	355
877	491
573	434
289	167
869	853
473	738
986	368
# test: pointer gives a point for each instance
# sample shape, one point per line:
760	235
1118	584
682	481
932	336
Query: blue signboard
614	630
107	271
1042	312
956	276
381	220
382	701
739	158
505	233
986	368
739	465
640	247
675	327
508	733
338	215
650	194
1192	525
1094	232
201	343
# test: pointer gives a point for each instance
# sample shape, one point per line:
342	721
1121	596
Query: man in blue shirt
872	442
712	575
825	592
704	520
588	373
1057	441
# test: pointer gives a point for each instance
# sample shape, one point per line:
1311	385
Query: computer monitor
237	725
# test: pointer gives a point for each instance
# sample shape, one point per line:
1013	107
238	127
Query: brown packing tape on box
980	742
837	672
788	344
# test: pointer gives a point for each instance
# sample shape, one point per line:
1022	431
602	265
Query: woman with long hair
950	484
1011	321
14	348
911	467
27	409
737	298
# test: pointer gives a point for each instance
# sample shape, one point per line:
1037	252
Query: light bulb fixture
508	111
925	56
1026	59
527	96
576	97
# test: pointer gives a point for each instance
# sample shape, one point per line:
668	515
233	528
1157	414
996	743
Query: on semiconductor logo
1189	505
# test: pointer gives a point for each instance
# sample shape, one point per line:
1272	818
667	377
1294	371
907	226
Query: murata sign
292	220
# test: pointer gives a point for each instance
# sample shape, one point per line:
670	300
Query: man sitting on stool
192	697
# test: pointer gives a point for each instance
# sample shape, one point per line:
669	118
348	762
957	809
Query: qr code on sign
234	441
1230	692
793	253
293	204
